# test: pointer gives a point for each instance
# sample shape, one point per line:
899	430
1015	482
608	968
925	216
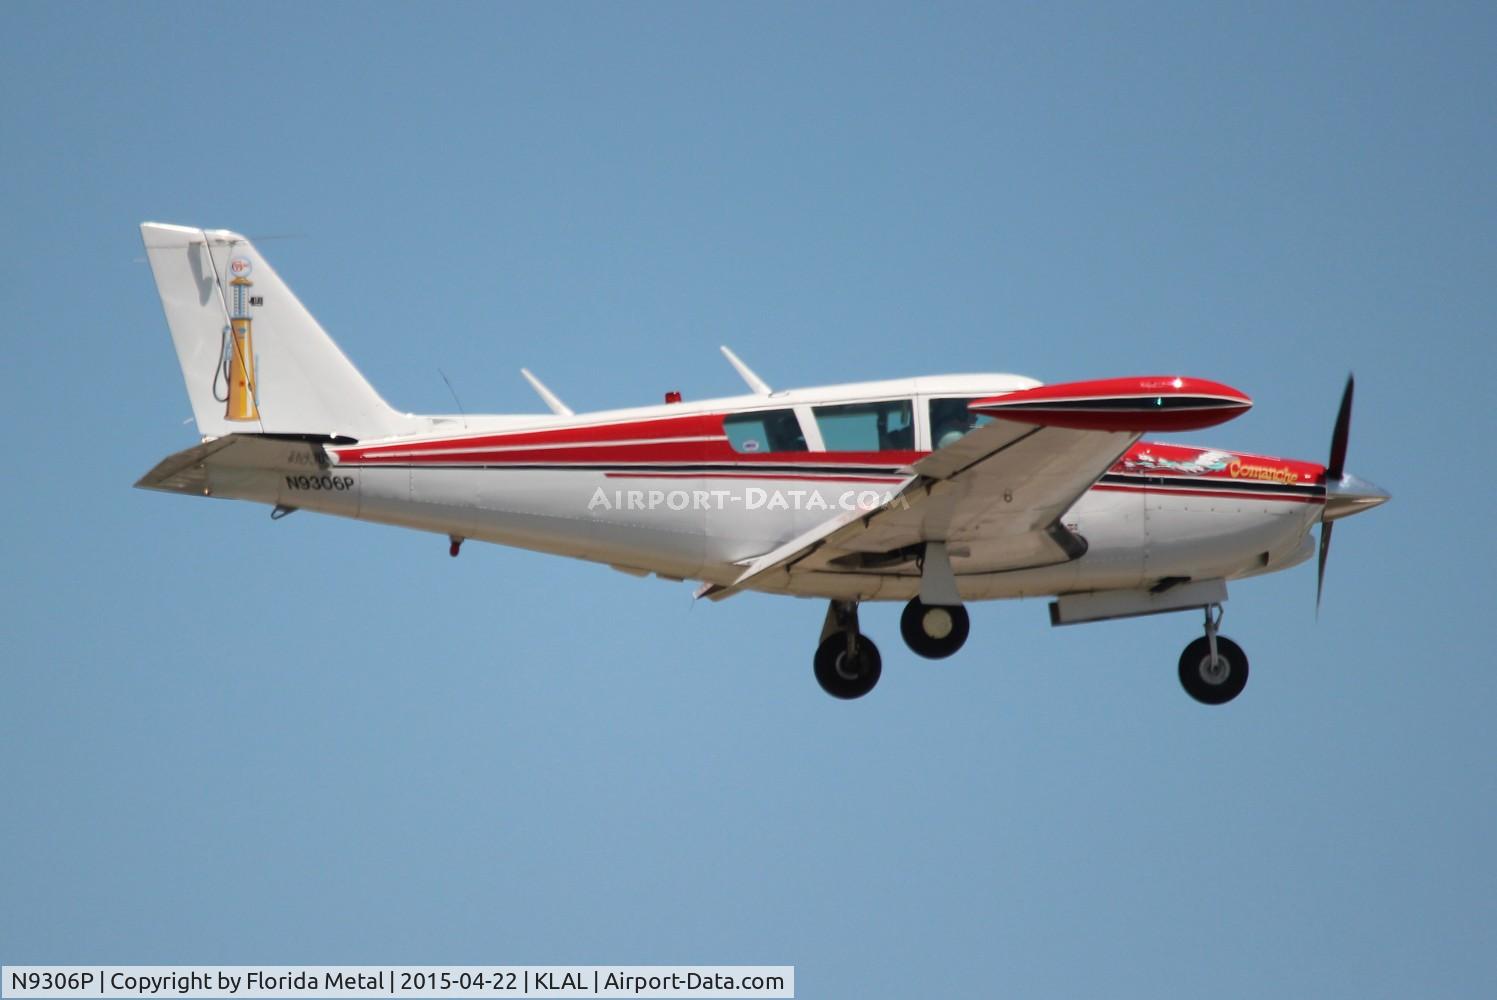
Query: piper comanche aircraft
934	491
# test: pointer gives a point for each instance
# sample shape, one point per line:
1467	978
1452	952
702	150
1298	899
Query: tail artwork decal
241	391
235	324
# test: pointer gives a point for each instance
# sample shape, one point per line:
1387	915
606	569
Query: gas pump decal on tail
241	401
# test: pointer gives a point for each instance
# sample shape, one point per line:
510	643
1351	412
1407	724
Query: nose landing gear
1213	668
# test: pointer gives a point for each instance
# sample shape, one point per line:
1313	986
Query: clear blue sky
230	740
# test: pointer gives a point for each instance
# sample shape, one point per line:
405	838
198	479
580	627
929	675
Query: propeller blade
1325	551
1339	437
1333	473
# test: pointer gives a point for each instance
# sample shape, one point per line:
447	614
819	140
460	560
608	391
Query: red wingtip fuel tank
1138	404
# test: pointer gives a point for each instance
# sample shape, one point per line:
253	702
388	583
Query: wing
996	496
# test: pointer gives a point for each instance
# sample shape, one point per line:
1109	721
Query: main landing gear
935	631
1213	668
847	662
934	623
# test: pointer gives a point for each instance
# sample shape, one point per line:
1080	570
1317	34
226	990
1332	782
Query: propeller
1334	470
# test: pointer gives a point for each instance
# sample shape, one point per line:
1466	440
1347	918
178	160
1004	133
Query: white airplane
935	491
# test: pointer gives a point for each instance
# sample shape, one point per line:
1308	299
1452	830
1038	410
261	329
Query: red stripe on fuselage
678	440
755	475
628	452
661	429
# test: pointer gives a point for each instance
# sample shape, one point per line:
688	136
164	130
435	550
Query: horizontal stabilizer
205	469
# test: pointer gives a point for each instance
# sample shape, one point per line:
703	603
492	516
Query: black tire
950	621
1213	686
844	678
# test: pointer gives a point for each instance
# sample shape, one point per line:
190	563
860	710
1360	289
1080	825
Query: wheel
1218	683
935	631
846	677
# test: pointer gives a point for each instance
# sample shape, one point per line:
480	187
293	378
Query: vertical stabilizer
253	358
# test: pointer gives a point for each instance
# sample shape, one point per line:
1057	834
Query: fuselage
932	491
693	490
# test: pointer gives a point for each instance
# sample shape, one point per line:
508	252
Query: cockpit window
950	420
887	425
764	431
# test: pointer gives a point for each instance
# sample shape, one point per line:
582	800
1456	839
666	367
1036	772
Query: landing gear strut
847	662
934	623
935	631
1213	668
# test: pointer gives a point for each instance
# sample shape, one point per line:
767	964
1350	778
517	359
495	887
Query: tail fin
254	359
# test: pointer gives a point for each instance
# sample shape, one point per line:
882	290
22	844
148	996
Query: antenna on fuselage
547	396
757	384
462	412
